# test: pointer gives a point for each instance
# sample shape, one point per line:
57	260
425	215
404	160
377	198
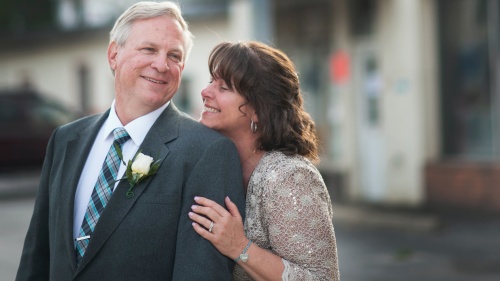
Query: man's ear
112	53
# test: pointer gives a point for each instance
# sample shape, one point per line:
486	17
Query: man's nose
160	64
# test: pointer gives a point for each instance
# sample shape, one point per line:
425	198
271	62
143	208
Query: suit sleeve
35	256
216	175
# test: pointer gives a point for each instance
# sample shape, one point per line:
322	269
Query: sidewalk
374	243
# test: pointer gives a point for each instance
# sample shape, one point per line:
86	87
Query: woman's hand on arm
228	236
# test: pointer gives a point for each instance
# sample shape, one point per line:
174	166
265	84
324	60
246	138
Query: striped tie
101	194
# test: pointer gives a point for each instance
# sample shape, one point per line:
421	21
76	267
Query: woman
254	99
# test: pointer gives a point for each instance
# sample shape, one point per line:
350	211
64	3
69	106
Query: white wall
207	34
54	71
431	80
404	48
342	110
405	43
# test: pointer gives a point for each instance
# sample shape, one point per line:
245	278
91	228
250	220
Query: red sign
339	67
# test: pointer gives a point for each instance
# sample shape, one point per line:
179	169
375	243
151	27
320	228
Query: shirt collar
137	129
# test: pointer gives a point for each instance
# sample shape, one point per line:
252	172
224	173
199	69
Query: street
14	221
372	245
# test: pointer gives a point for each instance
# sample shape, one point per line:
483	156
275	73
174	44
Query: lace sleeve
298	214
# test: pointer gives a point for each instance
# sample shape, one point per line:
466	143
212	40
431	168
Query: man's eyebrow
174	49
149	43
179	49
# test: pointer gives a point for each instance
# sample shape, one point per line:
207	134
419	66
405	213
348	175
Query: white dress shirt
137	129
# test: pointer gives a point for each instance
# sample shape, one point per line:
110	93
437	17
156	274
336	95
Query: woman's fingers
233	209
206	212
221	211
200	220
206	215
202	231
227	231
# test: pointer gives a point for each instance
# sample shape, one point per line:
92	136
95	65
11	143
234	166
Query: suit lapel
163	131
73	166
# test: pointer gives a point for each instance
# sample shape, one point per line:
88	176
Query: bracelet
244	255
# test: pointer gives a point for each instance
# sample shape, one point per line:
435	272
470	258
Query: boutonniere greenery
141	167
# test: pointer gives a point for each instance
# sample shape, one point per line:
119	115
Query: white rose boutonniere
139	168
141	165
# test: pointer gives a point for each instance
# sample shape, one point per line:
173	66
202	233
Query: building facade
404	93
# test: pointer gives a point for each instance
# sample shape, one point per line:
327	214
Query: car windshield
51	113
27	113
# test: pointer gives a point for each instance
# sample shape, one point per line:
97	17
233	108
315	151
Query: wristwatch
244	256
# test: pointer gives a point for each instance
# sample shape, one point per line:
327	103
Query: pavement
374	243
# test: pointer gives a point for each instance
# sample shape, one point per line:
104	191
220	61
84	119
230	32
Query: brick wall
465	186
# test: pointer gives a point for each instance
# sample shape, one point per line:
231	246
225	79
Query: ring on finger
211	226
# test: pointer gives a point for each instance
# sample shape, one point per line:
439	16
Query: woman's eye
224	88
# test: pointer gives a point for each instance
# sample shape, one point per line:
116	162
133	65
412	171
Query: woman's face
223	111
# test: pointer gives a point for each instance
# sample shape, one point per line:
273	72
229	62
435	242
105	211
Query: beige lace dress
289	212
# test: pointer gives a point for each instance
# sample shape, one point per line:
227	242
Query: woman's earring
253	126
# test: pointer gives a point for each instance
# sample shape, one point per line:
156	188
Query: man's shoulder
76	127
81	123
197	131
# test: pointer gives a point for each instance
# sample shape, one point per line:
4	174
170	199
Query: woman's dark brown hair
267	79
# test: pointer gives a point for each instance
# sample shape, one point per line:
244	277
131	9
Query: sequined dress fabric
289	212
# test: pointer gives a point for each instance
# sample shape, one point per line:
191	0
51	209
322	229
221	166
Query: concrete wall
342	113
53	69
405	46
408	52
401	54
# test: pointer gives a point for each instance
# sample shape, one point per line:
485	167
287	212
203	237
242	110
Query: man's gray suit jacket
146	237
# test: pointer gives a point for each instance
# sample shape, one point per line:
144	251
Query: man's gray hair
146	10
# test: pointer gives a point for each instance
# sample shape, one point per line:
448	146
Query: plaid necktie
101	194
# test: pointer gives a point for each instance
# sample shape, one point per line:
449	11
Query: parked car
27	120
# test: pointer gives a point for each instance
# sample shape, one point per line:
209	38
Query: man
83	230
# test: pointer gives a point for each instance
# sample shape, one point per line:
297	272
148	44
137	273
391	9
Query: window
467	90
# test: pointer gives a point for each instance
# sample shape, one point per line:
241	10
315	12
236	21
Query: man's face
148	66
